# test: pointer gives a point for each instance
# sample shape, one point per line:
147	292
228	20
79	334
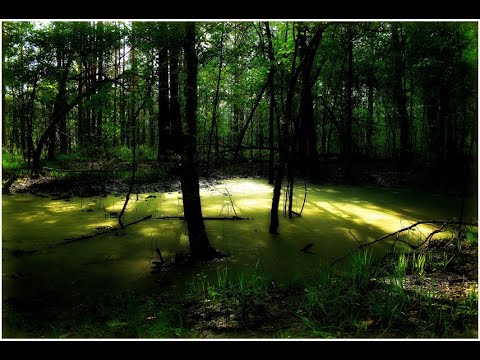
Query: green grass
373	300
242	291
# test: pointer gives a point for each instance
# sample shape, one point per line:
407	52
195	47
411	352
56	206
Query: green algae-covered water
121	259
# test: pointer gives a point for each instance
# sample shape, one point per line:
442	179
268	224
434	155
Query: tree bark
199	244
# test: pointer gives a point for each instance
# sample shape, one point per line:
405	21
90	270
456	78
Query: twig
231	202
359	243
304	198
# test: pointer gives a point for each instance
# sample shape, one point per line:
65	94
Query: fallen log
89	236
205	218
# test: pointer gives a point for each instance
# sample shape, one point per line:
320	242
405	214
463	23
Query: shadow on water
121	259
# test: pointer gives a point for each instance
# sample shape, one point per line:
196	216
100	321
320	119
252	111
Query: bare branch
429	237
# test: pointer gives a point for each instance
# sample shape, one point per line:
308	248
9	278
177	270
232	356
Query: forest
239	179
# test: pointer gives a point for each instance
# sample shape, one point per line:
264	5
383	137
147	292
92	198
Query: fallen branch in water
396	233
83	237
205	218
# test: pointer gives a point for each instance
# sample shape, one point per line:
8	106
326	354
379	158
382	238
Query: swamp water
121	260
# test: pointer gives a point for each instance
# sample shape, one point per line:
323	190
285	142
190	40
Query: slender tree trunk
199	244
31	114
369	124
4	111
247	123
215	105
271	84
59	111
284	148
175	116
163	105
400	96
80	109
123	125
347	140
99	125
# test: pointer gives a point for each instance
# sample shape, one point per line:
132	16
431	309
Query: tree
197	235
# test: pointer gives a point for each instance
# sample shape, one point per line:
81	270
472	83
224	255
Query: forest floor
436	296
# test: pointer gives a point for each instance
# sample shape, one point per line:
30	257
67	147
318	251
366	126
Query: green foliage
345	304
243	292
12	162
471	236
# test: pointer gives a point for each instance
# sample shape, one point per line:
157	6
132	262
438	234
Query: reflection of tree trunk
199	244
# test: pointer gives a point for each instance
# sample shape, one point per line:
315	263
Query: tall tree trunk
369	123
123	125
99	126
175	116
4	111
285	143
60	110
347	140
62	129
247	123
307	134
31	114
163	105
271	85
399	92
199	244
80	109
215	105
